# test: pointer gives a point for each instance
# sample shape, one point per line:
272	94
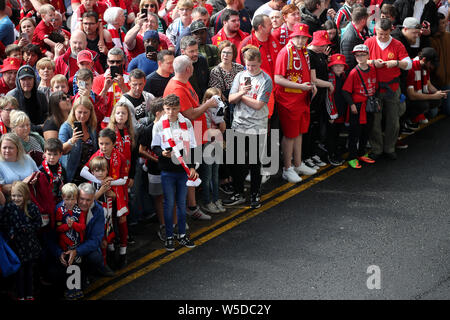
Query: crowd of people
111	111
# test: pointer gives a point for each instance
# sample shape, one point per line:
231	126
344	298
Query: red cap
337	58
300	29
10	64
84	56
320	38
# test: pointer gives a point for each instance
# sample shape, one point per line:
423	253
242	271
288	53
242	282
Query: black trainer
227	188
122	261
235	199
169	244
255	201
185	241
335	161
412	125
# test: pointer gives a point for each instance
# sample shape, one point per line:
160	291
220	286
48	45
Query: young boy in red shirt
356	97
44	29
293	88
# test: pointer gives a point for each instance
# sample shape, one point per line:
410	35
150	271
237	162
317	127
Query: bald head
78	42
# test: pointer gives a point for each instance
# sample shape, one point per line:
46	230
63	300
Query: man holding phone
113	83
147	61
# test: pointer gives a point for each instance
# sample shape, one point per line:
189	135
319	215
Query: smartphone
82	84
78	126
25	36
169	149
144	12
248	81
115	70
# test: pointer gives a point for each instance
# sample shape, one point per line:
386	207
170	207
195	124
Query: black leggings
239	171
358	134
24	280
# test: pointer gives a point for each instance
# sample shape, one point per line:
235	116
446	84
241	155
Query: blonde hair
142	2
8	100
129	123
212	92
251	53
57	78
69	190
185	4
45	62
46	8
14	138
99	163
18	118
22	188
87	103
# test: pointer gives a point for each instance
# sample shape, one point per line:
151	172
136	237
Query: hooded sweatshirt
36	107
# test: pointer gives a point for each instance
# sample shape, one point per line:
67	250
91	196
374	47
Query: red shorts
293	123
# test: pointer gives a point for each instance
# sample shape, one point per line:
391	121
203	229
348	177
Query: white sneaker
219	206
211	208
304	169
247	178
291	176
264	178
318	161
424	121
197	214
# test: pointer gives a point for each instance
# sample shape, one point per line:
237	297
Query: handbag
373	104
9	262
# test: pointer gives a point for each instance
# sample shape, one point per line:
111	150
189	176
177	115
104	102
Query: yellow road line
159	252
216	233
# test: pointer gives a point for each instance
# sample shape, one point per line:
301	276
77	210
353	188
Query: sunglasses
65	98
153	6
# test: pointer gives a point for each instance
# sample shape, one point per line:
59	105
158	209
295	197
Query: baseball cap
84	56
151	34
10	64
411	23
25	71
300	29
197	25
361	48
431	55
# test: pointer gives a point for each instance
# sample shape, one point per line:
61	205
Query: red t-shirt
188	99
140	48
354	86
100	8
394	51
41	32
268	49
296	71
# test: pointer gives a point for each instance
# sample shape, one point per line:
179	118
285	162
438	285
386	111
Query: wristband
398	63
70	142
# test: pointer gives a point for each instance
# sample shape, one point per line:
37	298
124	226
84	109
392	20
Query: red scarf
50	173
167	132
295	69
3	129
123	145
330	103
284	34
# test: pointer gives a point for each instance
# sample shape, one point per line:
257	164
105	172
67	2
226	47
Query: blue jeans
210	182
174	189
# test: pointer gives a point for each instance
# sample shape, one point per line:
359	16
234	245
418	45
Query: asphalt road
319	243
